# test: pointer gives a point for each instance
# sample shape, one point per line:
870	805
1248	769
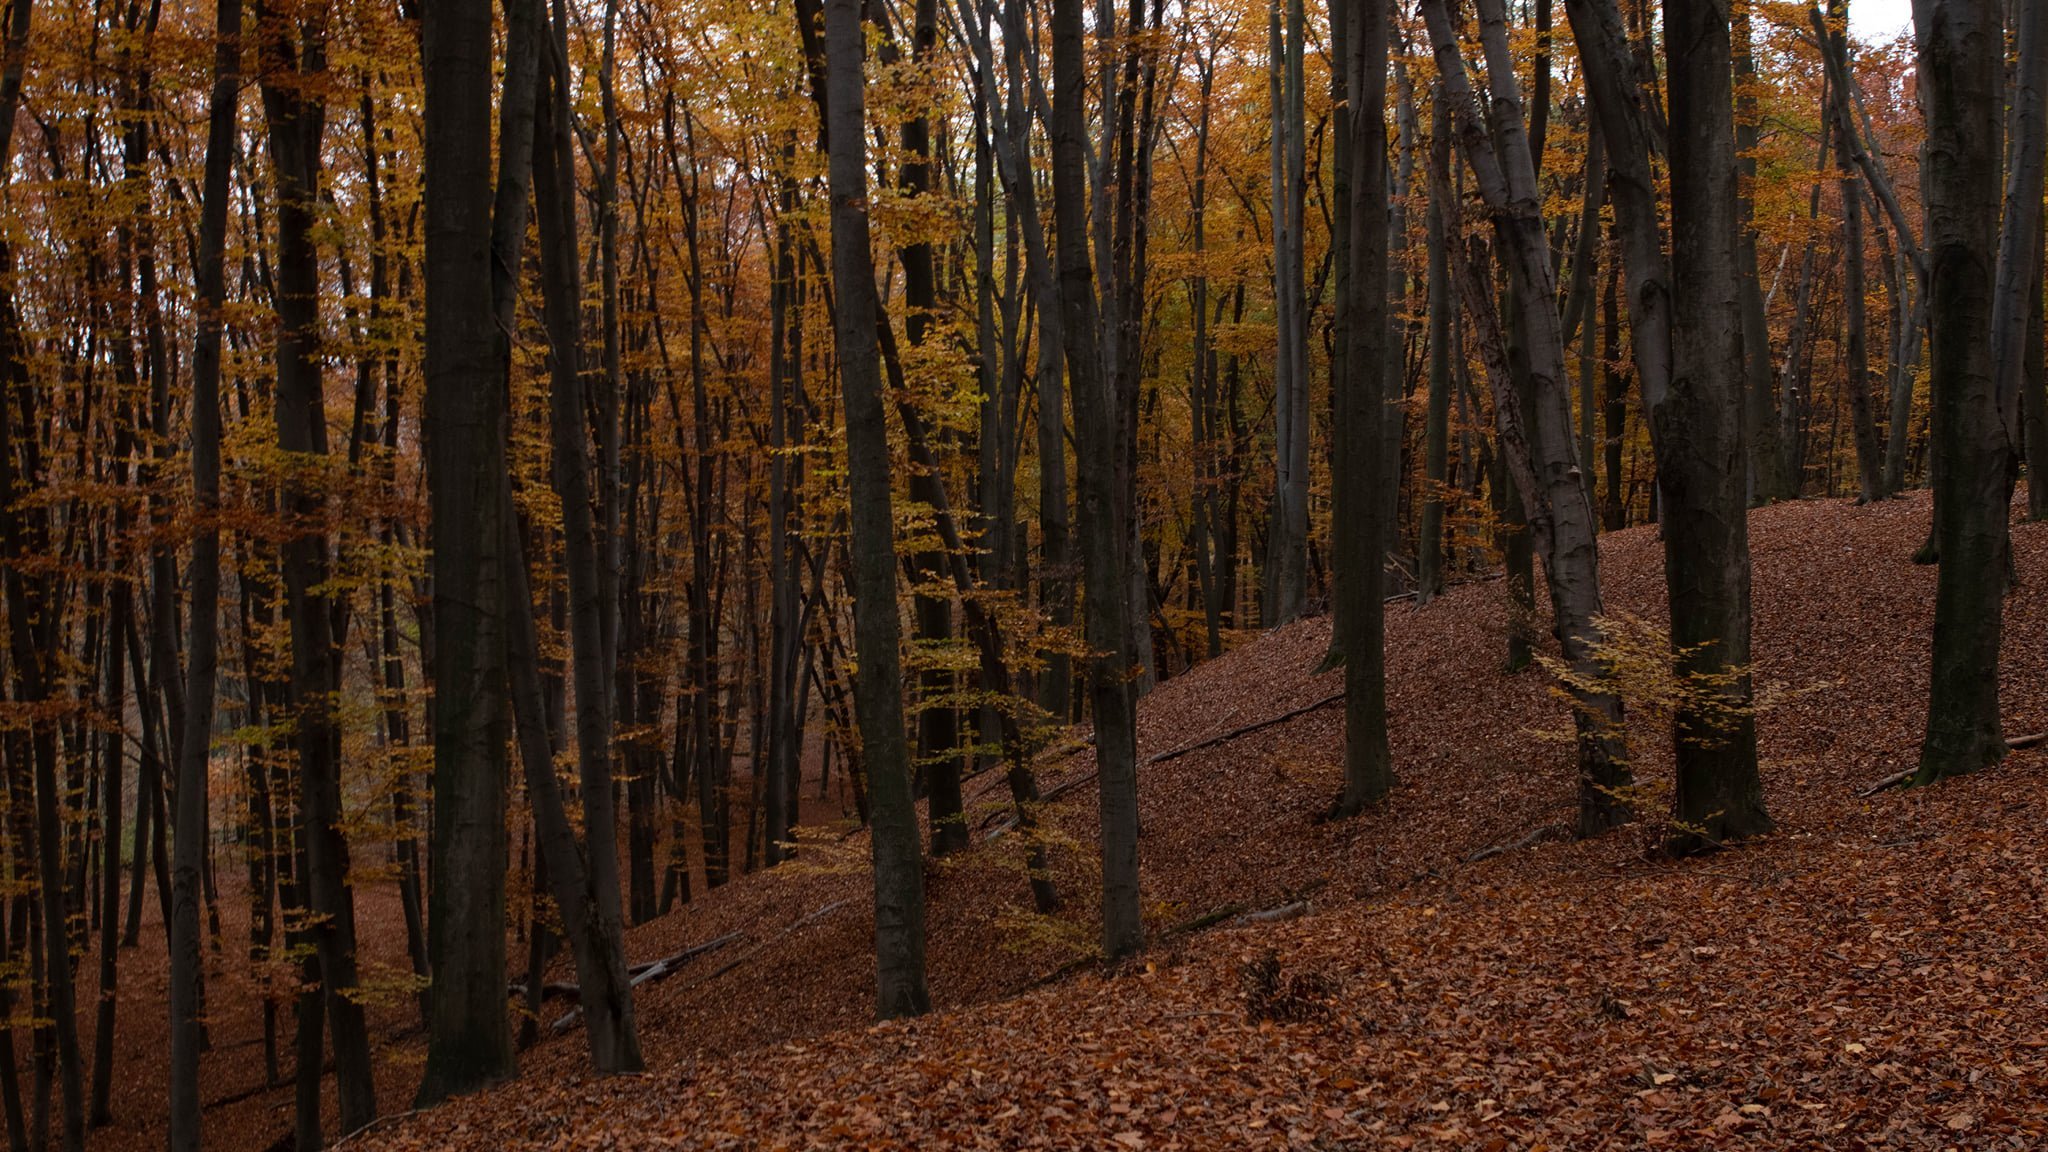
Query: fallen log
1897	779
1294	911
1535	836
1245	729
666	966
654	970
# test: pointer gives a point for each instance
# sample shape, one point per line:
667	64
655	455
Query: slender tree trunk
1429	546
1766	457
187	1035
1102	540
2017	339
614	1038
899	859
1536	433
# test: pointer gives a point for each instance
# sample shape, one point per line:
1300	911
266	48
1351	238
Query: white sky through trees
1878	21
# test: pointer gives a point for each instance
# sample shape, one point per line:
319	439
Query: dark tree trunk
1429	545
608	1003
899	858
468	241
1962	53
187	1031
1359	512
1701	458
1102	536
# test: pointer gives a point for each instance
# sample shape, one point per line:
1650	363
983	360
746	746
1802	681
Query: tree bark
1102	538
1359	512
187	1031
1536	433
1962	51
1701	457
473	238
899	858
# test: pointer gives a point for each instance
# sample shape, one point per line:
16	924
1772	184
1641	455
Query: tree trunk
1429	546
615	1043
1102	539
1701	458
472	258
1359	511
1536	435
297	124
1962	52
899	858
187	1031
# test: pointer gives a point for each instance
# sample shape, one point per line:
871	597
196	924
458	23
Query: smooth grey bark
898	855
1358	517
1536	433
1961	58
1701	455
1287	536
1102	539
469	228
203	575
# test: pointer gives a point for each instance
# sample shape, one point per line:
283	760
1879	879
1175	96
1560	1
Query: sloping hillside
1870	974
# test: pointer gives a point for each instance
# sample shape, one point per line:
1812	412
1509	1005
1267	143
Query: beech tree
1962	49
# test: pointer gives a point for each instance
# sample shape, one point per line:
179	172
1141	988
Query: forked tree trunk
1536	432
596	932
1102	541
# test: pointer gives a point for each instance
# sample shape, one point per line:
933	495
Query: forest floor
1870	975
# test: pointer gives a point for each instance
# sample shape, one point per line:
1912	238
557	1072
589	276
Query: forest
1022	573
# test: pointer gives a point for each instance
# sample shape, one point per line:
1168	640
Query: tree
1961	53
1102	536
1702	461
1359	510
899	858
1536	430
469	1038
187	1036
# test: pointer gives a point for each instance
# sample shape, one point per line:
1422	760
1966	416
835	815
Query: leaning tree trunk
1701	458
1962	53
899	858
615	1043
1560	511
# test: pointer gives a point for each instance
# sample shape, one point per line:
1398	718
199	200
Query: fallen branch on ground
1896	779
1245	729
663	968
1537	836
1294	911
655	970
